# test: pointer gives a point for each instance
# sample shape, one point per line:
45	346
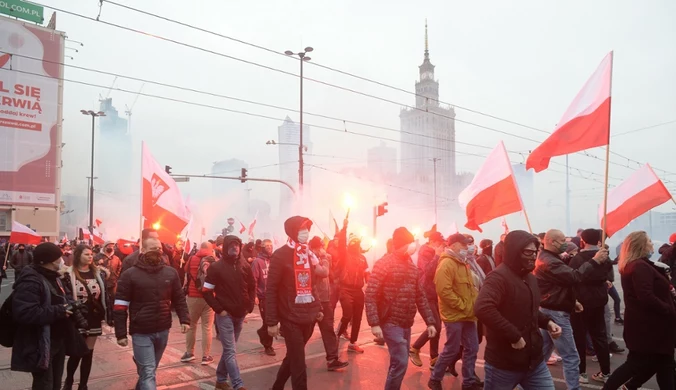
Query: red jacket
191	268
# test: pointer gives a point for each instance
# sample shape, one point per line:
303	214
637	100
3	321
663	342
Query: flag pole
605	187
518	191
140	230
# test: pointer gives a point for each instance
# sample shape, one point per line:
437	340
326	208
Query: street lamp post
303	57
94	115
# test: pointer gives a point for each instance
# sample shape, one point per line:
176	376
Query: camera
79	311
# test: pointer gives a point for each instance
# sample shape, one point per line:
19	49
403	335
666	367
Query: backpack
7	323
205	262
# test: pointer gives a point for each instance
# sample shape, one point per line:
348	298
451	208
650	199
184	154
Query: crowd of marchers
538	300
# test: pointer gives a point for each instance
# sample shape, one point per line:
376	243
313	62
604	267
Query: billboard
30	113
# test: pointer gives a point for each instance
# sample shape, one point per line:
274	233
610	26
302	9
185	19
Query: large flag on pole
22	234
493	191
163	208
638	194
586	123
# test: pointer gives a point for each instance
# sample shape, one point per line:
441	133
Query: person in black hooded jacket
39	308
147	291
508	306
230	290
289	300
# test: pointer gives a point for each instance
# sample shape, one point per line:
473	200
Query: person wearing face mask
592	293
111	263
199	310
149	307
20	259
456	289
508	306
321	289
230	290
486	260
428	258
260	268
133	258
556	282
393	295
40	309
67	254
290	299
351	291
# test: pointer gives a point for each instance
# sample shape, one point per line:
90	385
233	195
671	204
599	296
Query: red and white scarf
302	271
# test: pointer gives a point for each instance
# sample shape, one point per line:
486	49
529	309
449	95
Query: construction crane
101	98
128	109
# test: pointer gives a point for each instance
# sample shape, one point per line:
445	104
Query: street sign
22	10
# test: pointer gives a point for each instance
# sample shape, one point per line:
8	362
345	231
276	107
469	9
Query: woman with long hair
649	317
87	284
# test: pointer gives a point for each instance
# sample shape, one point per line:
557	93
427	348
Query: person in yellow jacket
454	283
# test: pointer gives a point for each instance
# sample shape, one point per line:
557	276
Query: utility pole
435	189
568	231
94	115
303	57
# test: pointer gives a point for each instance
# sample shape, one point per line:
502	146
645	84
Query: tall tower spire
427	51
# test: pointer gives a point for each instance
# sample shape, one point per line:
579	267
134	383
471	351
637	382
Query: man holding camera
40	309
148	290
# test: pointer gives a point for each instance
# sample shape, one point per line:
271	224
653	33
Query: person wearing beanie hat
39	343
593	295
428	258
112	264
486	260
322	289
20	258
353	276
289	300
393	295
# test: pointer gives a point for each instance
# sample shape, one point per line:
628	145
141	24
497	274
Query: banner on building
30	113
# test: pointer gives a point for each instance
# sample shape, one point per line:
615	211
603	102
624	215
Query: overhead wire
379	83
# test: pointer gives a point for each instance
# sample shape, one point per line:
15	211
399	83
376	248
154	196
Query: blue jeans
458	333
398	342
538	378
148	351
229	329
565	345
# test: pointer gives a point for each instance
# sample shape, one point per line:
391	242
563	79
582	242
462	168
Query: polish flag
163	208
65	239
493	191
242	228
252	226
586	123
86	235
98	222
638	194
98	236
22	234
125	246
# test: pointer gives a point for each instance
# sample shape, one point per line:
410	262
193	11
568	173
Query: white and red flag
242	228
252	226
98	237
65	238
638	194
98	223
163	208
586	123
86	234
493	192
22	234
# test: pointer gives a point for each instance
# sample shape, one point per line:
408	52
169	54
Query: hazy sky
522	61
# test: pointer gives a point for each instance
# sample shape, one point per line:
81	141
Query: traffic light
167	169
382	209
242	177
